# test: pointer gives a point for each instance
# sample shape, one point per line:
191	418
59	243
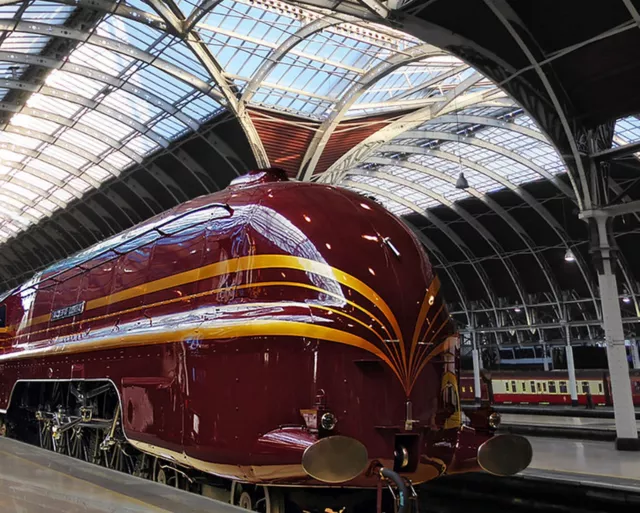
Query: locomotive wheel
118	459
163	473
245	501
46	435
61	445
78	444
96	455
160	474
263	499
144	467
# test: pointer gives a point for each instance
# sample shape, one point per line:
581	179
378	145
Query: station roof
112	111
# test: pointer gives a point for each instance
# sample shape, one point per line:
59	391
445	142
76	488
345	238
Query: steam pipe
402	487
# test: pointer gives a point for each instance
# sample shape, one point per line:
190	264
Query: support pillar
626	429
571	368
477	388
635	354
545	361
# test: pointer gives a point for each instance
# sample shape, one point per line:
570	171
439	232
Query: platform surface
584	461
34	480
517	419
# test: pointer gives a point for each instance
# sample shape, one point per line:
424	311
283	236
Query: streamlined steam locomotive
274	334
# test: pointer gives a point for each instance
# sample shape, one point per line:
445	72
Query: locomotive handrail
117	254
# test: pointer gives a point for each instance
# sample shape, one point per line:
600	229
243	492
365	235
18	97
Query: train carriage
545	387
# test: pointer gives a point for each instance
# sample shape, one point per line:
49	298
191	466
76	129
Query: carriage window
552	387
471	390
544	387
636	387
524	386
539	387
533	386
585	387
513	386
3	316
600	388
563	387
506	386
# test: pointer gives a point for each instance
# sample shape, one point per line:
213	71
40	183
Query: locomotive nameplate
68	311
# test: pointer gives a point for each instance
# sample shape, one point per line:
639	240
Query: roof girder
474	141
322	136
167	9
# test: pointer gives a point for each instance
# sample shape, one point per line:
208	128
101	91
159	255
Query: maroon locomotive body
242	330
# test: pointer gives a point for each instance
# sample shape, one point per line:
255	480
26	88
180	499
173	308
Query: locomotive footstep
505	455
335	459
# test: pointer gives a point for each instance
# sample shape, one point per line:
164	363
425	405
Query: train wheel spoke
46	435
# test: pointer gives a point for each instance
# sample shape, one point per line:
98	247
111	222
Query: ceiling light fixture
569	256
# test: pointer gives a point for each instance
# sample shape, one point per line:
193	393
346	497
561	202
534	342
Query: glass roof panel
36	181
101	59
105	108
74	83
49	169
24	43
48	12
31	122
118	160
21	191
53	105
21	140
73	159
9	11
141	145
97	173
77	138
627	131
131	106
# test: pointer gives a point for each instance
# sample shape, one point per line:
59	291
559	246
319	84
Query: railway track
483	493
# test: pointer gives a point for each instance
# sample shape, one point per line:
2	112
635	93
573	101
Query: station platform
558	421
585	462
33	480
556	426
